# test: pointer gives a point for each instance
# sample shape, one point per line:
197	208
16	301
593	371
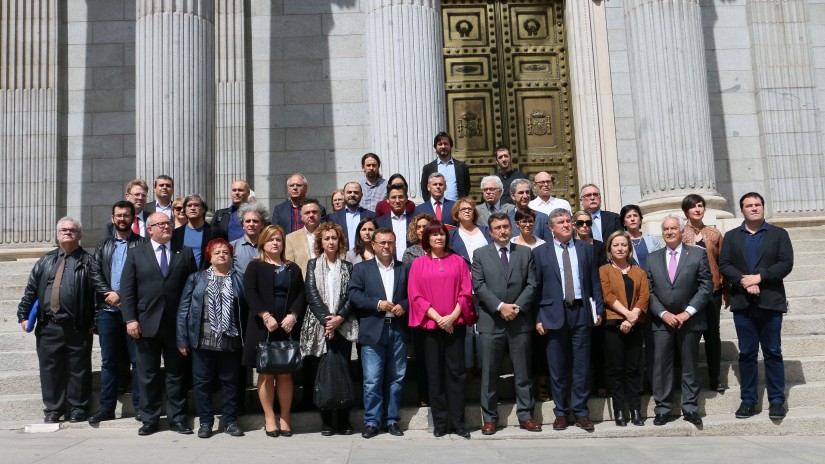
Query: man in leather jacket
61	282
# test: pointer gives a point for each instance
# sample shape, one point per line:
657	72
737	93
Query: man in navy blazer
604	222
570	289
755	258
288	214
520	193
378	293
436	185
349	217
398	220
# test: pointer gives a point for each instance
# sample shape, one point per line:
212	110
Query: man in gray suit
491	190
680	285
504	281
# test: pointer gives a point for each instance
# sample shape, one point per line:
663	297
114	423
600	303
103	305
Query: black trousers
446	375
149	352
713	340
623	354
339	345
65	359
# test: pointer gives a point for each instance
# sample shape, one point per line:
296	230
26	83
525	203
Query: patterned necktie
135	225
505	263
671	266
568	274
438	210
58	277
164	264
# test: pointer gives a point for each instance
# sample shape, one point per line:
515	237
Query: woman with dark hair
708	237
415	230
277	301
363	242
210	326
331	324
441	303
626	296
643	244
526	223
383	206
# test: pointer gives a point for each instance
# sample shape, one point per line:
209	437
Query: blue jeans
113	340
208	367
755	327
385	365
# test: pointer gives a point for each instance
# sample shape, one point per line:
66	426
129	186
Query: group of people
578	300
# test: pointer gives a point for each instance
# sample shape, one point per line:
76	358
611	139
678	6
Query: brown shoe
530	425
488	428
560	423
585	423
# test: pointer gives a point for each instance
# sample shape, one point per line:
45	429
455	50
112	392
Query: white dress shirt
388	279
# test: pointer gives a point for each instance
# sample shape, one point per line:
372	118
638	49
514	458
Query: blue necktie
164	264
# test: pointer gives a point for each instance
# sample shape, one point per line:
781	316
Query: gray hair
558	212
491	179
69	219
303	179
589	185
515	184
253	207
434	175
195	196
682	220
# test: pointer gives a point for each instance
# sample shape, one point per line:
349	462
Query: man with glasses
196	234
107	269
378	293
545	201
604	222
150	289
288	214
506	173
136	193
61	282
520	193
491	192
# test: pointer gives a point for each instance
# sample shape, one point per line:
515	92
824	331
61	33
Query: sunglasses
587	223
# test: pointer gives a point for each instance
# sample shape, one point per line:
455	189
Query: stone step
806	233
16	341
19	266
808	258
807	305
807	288
807	273
791	325
792	346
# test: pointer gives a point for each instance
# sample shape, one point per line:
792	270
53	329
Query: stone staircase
803	347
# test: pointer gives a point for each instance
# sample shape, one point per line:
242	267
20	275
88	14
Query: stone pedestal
670	105
406	83
175	94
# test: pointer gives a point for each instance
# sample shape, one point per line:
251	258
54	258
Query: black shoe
620	419
718	387
180	427
660	419
439	432
138	417
369	431
274	434
395	430
326	430
147	429
462	432
776	411
205	431
51	418
77	416
233	430
101	416
693	418
345	428
745	410
636	418
286	433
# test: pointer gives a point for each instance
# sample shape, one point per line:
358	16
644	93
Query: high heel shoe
636	417
273	434
621	420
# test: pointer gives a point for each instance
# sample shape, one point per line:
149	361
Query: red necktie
438	210
135	226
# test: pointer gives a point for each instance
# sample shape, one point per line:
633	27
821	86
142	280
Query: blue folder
33	316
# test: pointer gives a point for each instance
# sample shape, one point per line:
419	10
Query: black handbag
278	357
333	383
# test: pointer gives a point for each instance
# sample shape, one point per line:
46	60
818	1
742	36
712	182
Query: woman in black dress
276	298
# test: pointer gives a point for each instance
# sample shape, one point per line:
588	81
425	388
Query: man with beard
373	185
455	172
349	217
196	233
506	173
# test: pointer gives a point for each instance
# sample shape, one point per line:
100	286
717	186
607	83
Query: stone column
786	98
670	104
406	83
28	121
175	94
230	113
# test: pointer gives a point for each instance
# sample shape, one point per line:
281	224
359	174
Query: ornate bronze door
507	82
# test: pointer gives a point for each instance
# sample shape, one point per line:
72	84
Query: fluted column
786	100
670	104
28	120
406	83
230	111
175	94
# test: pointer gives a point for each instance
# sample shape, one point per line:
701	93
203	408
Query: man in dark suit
226	219
504	282
288	214
349	217
150	290
680	285
196	233
398	219
137	191
378	292
455	172
570	291
437	204
755	258
520	193
604	222
492	191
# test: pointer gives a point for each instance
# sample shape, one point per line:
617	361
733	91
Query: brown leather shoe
530	425
585	423
488	428
560	423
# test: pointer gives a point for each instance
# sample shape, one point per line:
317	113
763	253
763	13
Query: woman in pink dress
441	303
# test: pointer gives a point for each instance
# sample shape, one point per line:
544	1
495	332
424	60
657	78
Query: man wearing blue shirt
455	172
349	217
227	219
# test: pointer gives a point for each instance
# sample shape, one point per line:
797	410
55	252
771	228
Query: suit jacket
145	295
774	264
692	286
611	222
101	272
460	248
550	307
540	230
492	286
484	212
297	249
446	209
340	218
282	215
366	289
462	178
209	233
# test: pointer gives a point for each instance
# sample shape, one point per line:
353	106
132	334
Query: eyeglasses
161	224
385	244
543	182
465	210
587	223
194	205
68	231
295	185
137	195
526	222
178	208
490	189
122	216
592	195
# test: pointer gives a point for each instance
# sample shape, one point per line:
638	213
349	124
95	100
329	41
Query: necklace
636	241
438	259
623	270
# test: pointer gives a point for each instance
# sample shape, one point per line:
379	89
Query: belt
389	320
577	303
